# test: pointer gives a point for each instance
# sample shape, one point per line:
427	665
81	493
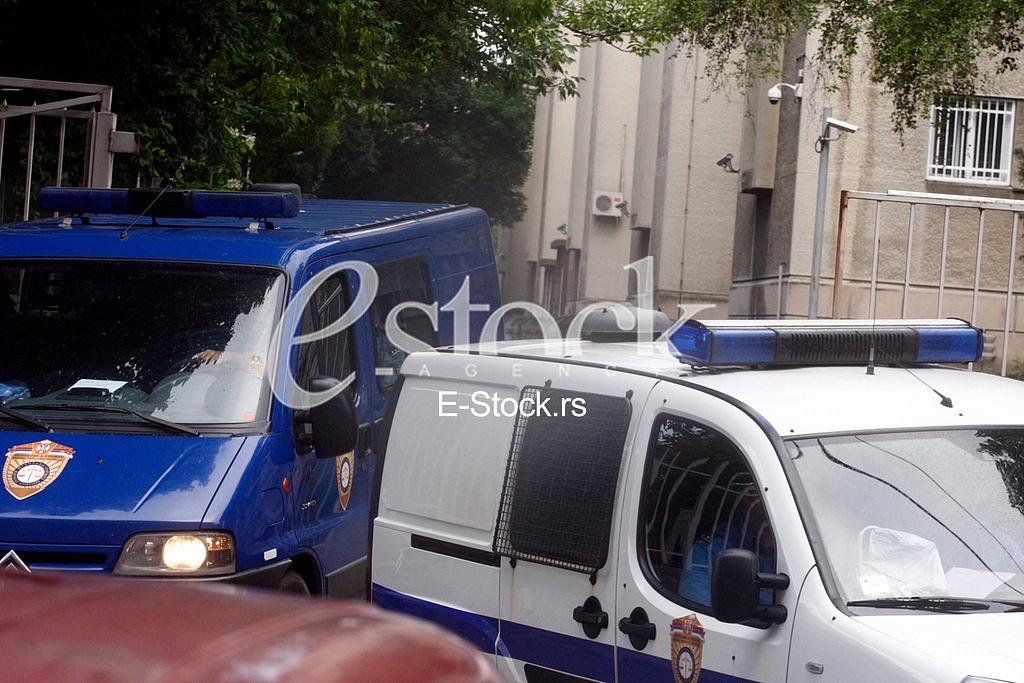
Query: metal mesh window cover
563	469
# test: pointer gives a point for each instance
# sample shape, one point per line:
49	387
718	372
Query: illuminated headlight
177	554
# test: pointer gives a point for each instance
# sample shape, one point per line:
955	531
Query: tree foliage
204	81
917	49
274	89
447	139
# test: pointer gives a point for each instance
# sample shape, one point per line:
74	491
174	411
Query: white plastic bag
898	564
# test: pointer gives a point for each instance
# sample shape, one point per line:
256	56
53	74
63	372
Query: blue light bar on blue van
83	200
831	342
169	203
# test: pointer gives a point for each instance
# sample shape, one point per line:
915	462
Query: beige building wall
648	130
693	249
520	251
651	131
874	159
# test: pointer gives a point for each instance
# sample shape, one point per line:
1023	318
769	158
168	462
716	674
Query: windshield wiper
929	604
25	419
166	424
1011	605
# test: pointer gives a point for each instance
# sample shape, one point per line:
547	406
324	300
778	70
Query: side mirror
736	586
331	428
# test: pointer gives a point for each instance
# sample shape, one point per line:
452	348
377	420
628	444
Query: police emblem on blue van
31	467
344	469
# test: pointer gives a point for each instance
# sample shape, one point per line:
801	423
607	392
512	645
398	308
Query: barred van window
560	482
700	499
971	140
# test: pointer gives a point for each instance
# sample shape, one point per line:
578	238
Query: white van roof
794	400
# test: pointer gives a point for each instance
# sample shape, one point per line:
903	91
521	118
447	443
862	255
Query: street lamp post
827	124
819	217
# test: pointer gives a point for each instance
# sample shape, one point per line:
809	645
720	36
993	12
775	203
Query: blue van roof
348	224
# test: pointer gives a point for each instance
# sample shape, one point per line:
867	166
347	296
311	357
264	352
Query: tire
293	583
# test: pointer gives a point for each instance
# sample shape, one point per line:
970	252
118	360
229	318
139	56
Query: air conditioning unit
606	204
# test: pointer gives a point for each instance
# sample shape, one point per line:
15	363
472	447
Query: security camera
775	92
724	161
841	125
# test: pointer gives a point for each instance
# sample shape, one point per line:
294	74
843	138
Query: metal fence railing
988	265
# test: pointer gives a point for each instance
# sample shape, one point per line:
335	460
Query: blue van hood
111	486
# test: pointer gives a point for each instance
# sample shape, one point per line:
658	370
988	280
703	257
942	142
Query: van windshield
80	341
921	520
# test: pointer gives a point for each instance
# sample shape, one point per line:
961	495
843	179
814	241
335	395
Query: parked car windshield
925	515
183	342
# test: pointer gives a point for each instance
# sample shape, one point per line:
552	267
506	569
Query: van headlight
177	554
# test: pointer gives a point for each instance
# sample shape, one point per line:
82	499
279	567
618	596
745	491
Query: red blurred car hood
57	629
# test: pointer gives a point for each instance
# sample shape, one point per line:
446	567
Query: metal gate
103	139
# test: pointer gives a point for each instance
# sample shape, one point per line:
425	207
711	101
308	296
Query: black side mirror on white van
331	428
736	585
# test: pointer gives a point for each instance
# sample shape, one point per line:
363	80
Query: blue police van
192	383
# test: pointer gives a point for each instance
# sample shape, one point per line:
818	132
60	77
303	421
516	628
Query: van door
557	515
330	496
702	477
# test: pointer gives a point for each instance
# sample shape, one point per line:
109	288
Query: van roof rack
431	211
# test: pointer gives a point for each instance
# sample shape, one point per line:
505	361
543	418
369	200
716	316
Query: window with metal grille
563	469
700	498
970	140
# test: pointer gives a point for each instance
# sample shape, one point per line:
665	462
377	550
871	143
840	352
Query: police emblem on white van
344	469
31	467
687	648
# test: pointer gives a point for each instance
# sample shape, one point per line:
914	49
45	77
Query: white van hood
983	645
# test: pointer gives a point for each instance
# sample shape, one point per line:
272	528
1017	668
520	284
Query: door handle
591	616
638	628
363	444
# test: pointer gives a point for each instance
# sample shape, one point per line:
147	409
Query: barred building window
970	140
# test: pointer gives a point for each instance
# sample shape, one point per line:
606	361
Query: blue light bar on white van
830	342
169	203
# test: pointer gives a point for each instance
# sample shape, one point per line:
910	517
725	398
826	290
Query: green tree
447	139
199	78
269	89
917	49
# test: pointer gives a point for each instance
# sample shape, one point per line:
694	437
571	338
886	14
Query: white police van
749	502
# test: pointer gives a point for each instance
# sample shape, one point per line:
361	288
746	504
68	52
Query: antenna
871	350
124	233
945	400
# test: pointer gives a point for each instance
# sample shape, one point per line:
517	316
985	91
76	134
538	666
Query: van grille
62	560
